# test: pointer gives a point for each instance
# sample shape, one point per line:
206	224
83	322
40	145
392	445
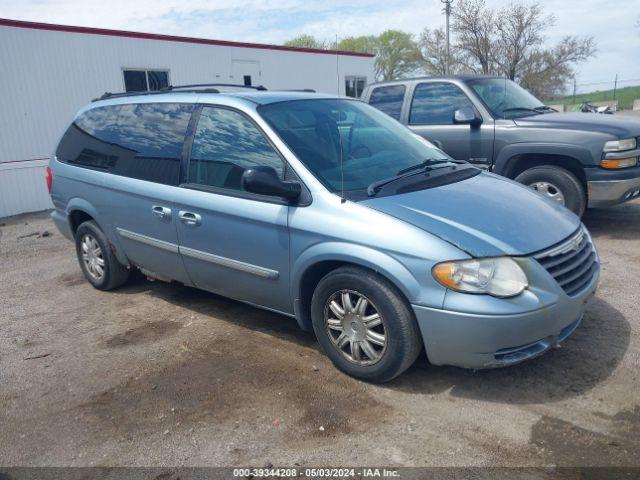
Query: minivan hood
616	125
486	215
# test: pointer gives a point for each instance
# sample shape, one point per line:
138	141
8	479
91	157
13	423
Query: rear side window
142	141
227	143
388	99
435	103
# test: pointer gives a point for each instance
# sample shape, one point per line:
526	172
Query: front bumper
610	187
486	341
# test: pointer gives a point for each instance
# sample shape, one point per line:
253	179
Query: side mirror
264	180
466	115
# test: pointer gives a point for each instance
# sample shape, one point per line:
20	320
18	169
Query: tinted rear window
388	99
141	141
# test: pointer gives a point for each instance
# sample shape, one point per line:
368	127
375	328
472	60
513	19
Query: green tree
363	44
396	55
307	41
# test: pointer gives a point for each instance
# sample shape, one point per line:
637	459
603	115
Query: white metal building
47	72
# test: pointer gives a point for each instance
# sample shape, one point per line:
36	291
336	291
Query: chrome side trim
200	255
229	263
154	242
570	244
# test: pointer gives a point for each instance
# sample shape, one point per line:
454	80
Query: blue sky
612	23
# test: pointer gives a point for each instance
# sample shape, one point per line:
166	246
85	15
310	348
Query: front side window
388	99
435	103
145	80
227	143
354	85
506	99
142	141
348	144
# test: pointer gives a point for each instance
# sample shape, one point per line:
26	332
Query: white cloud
612	23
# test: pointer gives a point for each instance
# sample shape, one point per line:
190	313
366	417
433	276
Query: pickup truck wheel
364	325
97	261
556	184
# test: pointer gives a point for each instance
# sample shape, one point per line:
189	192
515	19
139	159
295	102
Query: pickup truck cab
577	159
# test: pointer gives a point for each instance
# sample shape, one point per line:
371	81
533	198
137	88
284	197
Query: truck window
434	103
142	141
388	99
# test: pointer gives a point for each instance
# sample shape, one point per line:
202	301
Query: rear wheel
97	261
556	184
364	325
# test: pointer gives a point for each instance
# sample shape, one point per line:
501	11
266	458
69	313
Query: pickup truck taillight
49	178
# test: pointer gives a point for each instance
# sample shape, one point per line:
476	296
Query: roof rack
306	90
194	88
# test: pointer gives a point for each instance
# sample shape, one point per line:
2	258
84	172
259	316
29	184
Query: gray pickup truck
578	159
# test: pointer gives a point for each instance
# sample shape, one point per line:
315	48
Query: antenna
343	199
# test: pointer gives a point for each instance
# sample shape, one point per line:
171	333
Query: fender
503	161
370	258
78	203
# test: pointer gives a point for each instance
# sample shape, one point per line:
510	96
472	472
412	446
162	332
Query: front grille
572	263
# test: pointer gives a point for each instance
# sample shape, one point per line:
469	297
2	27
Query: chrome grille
572	263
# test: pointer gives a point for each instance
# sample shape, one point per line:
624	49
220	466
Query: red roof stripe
168	38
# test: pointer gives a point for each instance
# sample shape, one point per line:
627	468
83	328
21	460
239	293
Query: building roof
169	38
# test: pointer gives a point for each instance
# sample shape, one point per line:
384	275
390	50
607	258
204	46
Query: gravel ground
159	374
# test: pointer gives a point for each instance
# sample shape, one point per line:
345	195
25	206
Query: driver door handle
190	218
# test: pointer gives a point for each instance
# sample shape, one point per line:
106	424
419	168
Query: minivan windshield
507	99
371	147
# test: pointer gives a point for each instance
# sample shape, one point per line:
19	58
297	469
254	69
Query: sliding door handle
190	218
161	212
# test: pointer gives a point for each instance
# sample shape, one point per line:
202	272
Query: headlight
500	277
620	145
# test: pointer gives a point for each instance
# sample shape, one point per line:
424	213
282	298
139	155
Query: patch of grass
625	97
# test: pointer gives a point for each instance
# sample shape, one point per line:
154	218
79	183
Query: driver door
431	116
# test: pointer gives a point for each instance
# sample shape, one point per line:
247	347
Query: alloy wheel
92	256
355	327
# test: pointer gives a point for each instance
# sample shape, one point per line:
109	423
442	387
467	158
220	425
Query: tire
113	273
556	179
398	327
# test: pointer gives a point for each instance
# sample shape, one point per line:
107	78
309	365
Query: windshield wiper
523	109
426	163
407	172
545	108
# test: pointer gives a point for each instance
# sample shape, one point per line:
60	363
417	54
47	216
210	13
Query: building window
353	86
145	80
247	80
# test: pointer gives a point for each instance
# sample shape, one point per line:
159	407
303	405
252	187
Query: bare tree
511	42
433	53
474	26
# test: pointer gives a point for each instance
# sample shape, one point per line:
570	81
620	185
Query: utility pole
574	91
615	87
447	11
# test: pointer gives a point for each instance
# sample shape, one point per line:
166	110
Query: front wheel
556	184
364	325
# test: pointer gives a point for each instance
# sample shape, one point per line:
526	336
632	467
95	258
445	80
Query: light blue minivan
327	210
